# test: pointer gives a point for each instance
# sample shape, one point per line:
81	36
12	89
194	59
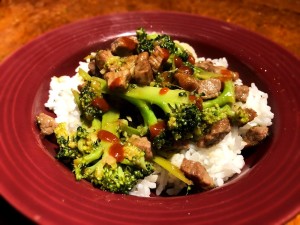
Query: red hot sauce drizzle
157	128
101	103
197	100
116	149
226	75
164	91
116	83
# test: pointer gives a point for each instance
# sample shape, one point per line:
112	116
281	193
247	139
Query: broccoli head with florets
67	143
147	42
112	164
91	102
119	179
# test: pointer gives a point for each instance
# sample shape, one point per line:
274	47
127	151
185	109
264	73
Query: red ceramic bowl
44	190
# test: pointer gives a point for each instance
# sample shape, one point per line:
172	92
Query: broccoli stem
226	97
202	74
85	76
145	110
79	163
124	127
153	95
109	123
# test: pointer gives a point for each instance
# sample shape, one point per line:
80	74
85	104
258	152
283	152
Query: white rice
221	161
61	100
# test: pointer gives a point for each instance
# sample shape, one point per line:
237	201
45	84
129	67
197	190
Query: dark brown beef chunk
157	58
101	57
143	73
251	113
217	132
46	123
209	88
186	81
117	80
166	78
241	93
124	46
197	173
142	143
128	63
92	67
208	66
255	135
118	76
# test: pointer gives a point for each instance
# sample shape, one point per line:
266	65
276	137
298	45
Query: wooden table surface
23	20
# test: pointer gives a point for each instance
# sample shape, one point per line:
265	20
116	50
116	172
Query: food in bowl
147	115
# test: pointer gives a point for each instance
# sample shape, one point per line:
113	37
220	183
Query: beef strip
101	57
210	88
208	66
124	46
157	58
241	93
143	73
46	123
118	80
255	135
128	63
197	173
217	132
166	78
142	143
186	81
118	77
251	114
92	67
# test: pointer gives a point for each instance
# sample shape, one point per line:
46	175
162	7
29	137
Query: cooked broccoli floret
91	103
239	116
67	143
183	117
90	99
147	42
128	130
87	136
123	176
120	179
112	165
236	114
180	113
73	144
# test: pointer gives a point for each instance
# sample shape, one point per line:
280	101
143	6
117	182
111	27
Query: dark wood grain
22	21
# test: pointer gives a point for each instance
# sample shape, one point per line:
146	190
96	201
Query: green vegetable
147	42
180	113
67	143
92	158
226	97
167	165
